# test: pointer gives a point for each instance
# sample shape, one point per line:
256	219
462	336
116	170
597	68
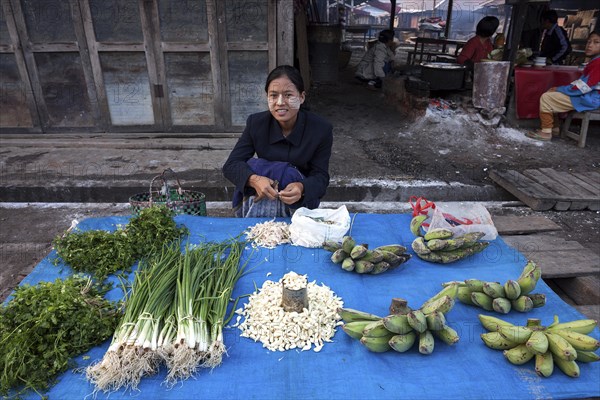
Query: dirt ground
450	145
372	138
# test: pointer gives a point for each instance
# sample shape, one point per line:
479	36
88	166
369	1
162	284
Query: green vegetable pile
44	326
102	253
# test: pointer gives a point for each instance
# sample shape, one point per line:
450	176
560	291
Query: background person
555	44
532	30
480	45
580	95
376	63
292	146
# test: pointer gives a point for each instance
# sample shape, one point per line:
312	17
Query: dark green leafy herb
44	326
102	253
152	229
96	252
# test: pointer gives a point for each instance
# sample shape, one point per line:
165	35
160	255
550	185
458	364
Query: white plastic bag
462	218
310	228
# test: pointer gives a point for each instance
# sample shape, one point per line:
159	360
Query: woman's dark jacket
307	147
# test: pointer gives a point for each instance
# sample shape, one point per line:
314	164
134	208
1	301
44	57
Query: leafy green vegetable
102	253
96	252
43	326
149	231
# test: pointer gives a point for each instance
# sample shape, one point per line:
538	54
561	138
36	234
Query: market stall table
344	368
532	82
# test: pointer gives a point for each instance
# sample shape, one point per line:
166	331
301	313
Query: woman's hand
292	193
264	187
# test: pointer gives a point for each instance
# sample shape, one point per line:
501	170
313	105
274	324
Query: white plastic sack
310	228
462	218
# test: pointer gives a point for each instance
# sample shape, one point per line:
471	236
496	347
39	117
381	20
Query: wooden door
212	60
138	65
43	82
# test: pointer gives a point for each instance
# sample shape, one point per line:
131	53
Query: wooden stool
585	117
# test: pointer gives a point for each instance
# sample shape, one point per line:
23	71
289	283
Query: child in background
480	45
580	95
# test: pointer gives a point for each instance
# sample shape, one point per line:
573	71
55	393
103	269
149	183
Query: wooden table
532	82
426	49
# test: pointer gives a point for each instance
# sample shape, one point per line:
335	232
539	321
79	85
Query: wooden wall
138	65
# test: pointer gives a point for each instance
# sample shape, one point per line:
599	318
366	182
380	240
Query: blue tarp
344	368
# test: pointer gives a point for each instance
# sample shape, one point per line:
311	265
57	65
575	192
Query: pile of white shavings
267	322
269	234
293	281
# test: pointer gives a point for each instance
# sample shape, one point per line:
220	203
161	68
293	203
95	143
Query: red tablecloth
532	82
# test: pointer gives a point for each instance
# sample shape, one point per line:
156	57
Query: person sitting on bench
582	94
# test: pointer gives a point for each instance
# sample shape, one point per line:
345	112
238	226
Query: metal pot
443	76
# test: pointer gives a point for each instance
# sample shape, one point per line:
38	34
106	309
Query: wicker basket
178	200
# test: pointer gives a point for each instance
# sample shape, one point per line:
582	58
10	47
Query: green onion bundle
174	314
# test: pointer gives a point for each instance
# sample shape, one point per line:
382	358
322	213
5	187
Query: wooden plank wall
122	66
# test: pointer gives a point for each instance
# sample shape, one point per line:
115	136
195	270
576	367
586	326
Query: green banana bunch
544	364
415	224
438	233
375	329
417	320
502	298
360	259
529	277
495	341
448	335
482	300
397	323
501	305
405	326
351	315
435	321
560	344
494	289
355	329
518	355
450	290
560	347
537	342
378	344
584	326
439	245
402	343
426	342
517	334
442	304
493	324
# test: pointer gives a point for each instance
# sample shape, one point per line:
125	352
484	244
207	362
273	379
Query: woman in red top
480	45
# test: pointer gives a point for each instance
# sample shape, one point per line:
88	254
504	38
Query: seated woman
580	95
480	45
292	146
376	63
